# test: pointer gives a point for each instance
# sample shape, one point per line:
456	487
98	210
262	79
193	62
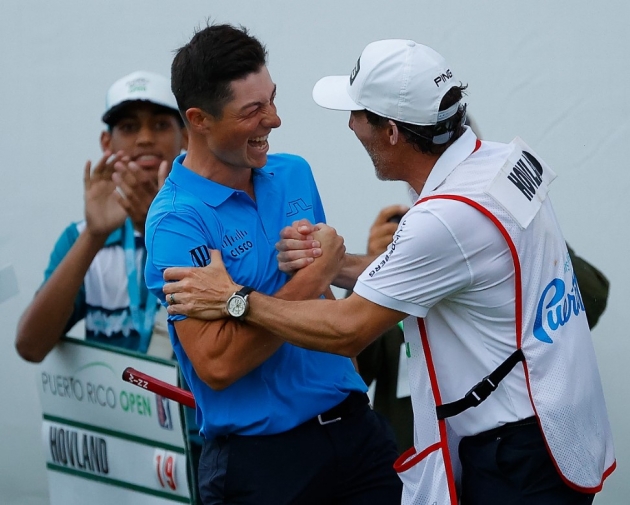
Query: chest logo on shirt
200	256
556	307
237	242
296	206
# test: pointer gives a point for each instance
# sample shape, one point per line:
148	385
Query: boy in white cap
497	340
95	270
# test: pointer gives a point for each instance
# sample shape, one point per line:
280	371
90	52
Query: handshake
313	253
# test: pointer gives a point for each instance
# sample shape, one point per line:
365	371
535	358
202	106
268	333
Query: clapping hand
103	213
136	189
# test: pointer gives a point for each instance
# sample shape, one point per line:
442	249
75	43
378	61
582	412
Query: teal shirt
102	299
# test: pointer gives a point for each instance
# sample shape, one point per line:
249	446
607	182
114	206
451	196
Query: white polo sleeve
427	260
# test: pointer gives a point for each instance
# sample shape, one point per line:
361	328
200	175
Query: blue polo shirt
191	215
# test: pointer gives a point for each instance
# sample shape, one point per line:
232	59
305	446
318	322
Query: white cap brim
332	93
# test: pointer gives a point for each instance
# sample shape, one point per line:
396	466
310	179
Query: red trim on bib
446	455
409	458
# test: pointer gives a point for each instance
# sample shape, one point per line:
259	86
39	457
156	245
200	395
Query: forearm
353	266
306	284
223	351
43	322
232	349
322	325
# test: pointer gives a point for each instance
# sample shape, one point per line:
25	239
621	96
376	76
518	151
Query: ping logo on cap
139	84
443	78
355	71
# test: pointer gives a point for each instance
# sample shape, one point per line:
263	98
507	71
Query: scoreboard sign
105	440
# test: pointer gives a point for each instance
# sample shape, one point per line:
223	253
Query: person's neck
416	168
200	160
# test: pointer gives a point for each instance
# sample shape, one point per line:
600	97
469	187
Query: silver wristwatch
238	304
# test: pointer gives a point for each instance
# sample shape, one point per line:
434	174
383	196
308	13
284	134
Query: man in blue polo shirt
282	424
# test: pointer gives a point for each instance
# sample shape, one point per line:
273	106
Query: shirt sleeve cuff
374	296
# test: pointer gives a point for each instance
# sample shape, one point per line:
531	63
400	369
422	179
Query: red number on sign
169	466
158	469
165	463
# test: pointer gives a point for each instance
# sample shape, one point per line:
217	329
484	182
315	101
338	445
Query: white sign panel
105	440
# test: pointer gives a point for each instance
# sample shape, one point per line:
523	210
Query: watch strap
244	291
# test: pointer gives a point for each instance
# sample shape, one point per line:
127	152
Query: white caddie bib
550	327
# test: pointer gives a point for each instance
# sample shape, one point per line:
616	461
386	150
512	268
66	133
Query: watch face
236	306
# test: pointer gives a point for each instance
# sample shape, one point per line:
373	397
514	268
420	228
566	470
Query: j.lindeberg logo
295	206
355	71
389	254
200	256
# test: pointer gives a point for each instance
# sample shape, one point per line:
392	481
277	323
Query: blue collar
210	192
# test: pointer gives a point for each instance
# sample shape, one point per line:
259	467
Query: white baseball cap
140	85
397	79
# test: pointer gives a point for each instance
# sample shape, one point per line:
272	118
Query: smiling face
238	138
147	133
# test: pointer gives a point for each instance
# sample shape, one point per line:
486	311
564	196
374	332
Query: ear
106	140
392	133
197	119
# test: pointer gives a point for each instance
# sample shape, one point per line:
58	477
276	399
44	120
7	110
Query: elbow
352	337
349	342
350	348
217	378
217	384
27	352
28	342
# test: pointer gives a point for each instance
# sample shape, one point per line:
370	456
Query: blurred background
552	73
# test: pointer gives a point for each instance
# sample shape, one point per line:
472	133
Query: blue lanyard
143	319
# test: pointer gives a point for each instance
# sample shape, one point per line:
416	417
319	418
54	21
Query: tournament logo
139	84
164	412
355	71
556	307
